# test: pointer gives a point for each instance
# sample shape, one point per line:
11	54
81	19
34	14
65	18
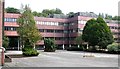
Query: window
82	22
58	31
65	24
65	31
10	19
49	30
41	30
59	38
10	28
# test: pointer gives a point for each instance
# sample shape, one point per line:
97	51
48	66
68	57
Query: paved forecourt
65	58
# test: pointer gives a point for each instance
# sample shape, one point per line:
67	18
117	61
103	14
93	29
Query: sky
97	6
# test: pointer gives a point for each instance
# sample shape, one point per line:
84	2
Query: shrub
113	48
75	48
49	45
5	42
29	51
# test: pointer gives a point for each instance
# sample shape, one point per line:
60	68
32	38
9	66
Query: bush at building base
114	48
49	45
29	51
75	48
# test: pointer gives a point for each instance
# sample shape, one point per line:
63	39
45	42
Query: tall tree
96	32
101	15
12	10
27	30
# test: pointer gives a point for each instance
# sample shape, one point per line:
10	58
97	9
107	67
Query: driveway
63	58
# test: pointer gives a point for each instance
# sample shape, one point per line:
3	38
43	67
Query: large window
10	28
51	23
82	22
113	27
41	30
58	31
50	30
10	19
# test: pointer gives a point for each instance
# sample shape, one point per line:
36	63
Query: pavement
63	58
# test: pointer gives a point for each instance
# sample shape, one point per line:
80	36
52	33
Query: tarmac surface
63	58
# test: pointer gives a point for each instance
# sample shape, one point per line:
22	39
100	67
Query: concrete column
78	46
44	46
18	45
63	47
87	46
69	45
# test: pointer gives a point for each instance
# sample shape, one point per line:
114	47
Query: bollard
2	56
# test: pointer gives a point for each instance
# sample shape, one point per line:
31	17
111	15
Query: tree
101	15
71	14
27	30
58	11
5	42
96	32
49	45
79	40
108	17
116	18
87	29
47	12
37	14
12	10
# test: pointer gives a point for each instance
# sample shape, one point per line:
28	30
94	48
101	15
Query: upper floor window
10	19
49	23
82	22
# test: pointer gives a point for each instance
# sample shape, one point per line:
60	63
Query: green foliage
96	32
71	14
27	30
47	12
79	40
108	17
37	14
87	29
116	18
75	48
12	10
49	45
29	51
5	42
101	15
113	48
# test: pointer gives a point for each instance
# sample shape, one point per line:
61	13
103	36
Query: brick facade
1	23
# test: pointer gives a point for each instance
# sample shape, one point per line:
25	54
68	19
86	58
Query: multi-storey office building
63	29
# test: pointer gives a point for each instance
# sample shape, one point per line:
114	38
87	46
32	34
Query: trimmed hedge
113	48
29	51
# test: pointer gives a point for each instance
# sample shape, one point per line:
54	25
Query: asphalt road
62	58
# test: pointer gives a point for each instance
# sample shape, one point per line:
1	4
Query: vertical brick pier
1	32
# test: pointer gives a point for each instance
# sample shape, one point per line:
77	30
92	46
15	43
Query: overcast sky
102	6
